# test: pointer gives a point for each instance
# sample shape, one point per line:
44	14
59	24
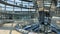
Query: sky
10	8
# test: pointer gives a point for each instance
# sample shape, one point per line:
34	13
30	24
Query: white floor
8	29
